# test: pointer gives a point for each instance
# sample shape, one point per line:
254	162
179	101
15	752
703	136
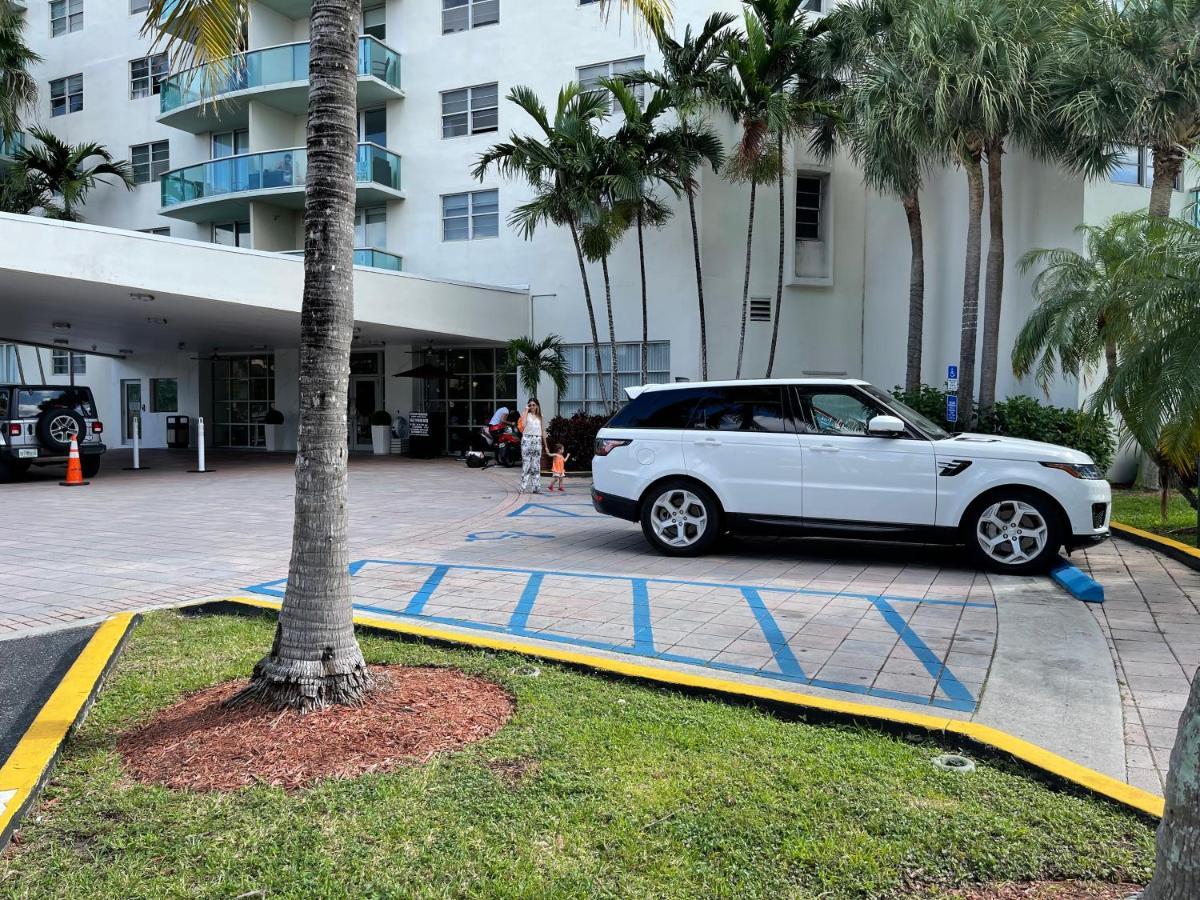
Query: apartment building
227	171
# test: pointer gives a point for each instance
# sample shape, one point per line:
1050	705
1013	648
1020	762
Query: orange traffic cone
74	469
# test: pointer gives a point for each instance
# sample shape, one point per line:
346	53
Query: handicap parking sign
951	408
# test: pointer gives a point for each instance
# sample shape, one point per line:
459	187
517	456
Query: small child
558	467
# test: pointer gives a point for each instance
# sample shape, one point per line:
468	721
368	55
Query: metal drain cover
954	762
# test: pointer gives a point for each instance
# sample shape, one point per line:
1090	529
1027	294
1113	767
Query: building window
160	232
589	76
374	20
472	110
137	6
146	75
230	143
1135	165
243	392
583	382
65	15
370	227
149	161
469	217
372	126
809	190
164	395
459	15
232	234
62	361
66	95
9	370
478	385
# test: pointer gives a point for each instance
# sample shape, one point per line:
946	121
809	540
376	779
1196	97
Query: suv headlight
1089	471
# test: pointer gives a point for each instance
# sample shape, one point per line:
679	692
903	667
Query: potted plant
271	422
381	432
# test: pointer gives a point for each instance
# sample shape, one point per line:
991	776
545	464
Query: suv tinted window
839	412
657	409
749	408
31	403
3	403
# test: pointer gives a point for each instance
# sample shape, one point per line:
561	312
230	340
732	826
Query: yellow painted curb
1156	539
1031	754
31	760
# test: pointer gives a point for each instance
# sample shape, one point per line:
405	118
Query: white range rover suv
837	458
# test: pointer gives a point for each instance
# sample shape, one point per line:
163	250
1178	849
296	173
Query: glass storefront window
243	391
474	390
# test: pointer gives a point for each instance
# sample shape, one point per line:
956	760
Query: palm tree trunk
699	286
1177	856
645	308
993	289
746	281
1167	163
612	332
587	298
916	291
315	660
779	273
970	307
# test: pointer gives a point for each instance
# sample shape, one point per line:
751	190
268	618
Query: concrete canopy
89	286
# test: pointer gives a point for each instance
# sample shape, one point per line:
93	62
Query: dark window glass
30	404
658	409
839	412
749	408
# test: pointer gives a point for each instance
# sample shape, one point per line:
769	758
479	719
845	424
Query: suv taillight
605	446
14	428
98	428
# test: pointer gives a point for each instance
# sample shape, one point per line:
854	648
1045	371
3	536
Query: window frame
789	411
585	376
157	67
822	183
138	6
66	95
1142	166
154	404
470	216
471	111
639	90
470	6
151	161
63	361
72	21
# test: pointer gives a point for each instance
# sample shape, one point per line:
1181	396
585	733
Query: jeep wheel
680	518
1014	532
55	428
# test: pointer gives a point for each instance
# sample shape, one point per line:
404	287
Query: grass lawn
1141	510
632	791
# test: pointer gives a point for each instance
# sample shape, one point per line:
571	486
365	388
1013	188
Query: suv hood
993	446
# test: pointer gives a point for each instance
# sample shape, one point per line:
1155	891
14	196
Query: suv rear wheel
1014	532
680	517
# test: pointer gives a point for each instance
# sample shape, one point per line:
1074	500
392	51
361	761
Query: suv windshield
929	428
32	402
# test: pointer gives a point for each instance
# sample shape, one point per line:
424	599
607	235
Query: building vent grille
760	309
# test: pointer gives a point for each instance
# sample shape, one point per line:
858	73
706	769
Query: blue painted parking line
555	511
642	643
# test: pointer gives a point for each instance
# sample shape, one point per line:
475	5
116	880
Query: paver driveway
907	627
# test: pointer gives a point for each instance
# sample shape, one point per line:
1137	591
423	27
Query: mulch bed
1048	890
413	714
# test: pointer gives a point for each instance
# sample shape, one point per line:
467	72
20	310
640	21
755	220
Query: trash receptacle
179	432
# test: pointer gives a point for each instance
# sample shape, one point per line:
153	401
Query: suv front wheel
1014	532
680	518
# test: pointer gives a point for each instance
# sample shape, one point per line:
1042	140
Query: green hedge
1024	417
578	437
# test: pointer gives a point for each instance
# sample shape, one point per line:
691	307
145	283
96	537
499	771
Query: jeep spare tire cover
56	426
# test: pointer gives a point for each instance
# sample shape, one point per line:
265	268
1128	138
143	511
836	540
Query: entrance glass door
365	398
131	408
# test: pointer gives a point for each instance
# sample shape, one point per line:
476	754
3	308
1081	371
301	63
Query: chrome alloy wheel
679	518
1011	532
63	428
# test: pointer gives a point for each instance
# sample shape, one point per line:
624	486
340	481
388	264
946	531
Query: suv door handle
825	448
707	442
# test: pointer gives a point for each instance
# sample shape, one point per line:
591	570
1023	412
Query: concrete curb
1077	583
32	760
979	735
1180	552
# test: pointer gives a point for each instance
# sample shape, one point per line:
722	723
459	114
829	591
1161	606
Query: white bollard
137	440
200	441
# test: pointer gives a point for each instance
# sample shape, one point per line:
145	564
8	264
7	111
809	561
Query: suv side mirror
885	426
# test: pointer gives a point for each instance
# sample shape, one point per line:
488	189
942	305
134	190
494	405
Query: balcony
221	189
370	257
204	97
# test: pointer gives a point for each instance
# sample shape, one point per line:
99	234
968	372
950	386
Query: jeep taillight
14	428
605	446
98	428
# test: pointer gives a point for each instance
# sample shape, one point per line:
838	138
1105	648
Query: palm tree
1132	76
556	167
691	79
532	360
881	123
63	174
18	90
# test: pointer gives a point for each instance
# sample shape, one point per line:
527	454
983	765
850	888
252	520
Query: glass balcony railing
284	64
274	170
10	146
368	256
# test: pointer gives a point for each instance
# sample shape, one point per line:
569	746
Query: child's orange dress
558	465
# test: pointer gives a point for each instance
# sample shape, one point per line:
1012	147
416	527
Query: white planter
271	435
381	439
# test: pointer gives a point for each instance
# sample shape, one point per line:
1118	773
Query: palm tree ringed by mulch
412	714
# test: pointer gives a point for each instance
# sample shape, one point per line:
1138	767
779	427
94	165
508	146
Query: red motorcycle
505	440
